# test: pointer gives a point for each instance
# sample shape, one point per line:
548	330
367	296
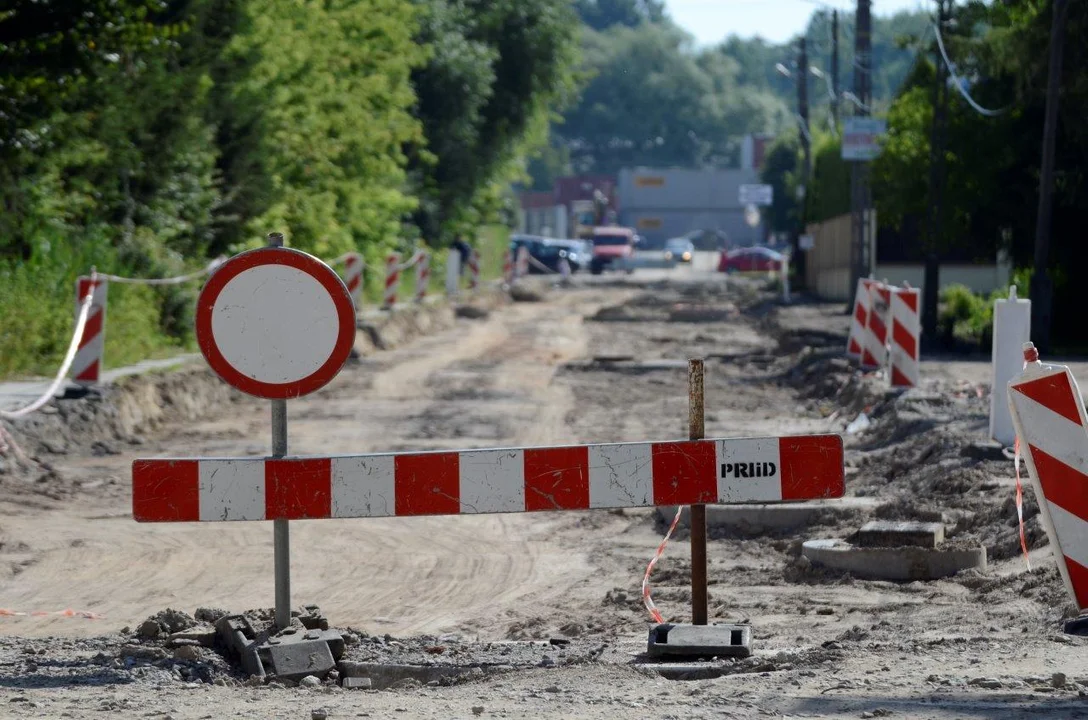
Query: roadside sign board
861	138
275	323
756	195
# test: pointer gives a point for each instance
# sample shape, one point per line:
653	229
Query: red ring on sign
345	312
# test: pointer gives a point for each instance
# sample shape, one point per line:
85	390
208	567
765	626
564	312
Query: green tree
496	74
782	170
603	14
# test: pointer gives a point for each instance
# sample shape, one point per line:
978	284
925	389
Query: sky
710	21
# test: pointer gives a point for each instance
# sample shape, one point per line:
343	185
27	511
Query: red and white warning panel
87	364
1049	417
860	319
905	336
275	323
727	471
874	351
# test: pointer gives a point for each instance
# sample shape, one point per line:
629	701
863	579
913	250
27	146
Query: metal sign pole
696	431
281	538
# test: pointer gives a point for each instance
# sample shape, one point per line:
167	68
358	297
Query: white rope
345	256
416	257
81	322
959	83
180	279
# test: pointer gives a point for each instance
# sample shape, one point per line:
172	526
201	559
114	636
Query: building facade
664	203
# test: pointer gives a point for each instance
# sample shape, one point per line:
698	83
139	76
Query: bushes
966	318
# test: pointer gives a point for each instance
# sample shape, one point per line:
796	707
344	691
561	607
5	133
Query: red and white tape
765	470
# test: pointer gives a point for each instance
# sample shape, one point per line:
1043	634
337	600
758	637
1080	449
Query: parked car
578	253
750	259
611	244
548	251
679	249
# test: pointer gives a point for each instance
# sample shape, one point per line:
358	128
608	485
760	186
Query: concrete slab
699	640
357	683
296	659
891	533
775	517
903	563
384	675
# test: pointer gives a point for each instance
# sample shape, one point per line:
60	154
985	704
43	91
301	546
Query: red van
610	244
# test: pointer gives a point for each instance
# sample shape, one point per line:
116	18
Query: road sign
275	323
861	138
756	195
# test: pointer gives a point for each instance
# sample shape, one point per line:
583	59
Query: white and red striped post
905	370
523	262
392	280
860	320
473	270
423	275
1048	413
874	353
508	267
353	277
468	482
87	365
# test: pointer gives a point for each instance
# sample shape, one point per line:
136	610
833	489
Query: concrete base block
687	671
774	517
700	640
902	563
890	533
384	675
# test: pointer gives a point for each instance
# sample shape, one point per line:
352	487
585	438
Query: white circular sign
275	323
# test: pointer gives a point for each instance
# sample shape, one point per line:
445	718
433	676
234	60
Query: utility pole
802	106
806	145
931	283
860	196
1041	286
835	66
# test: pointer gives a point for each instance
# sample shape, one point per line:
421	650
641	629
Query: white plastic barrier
1012	328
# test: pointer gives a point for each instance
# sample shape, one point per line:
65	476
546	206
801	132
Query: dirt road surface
982	644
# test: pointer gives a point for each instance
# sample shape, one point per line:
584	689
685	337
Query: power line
959	82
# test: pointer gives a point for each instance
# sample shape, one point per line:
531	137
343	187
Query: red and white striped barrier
392	280
473	270
522	268
1050	422
87	365
905	337
508	267
874	351
627	475
353	277
423	274
860	319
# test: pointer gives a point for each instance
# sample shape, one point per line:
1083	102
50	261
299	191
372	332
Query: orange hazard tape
1020	503
85	614
646	599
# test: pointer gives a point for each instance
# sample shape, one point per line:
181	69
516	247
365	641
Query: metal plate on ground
672	640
